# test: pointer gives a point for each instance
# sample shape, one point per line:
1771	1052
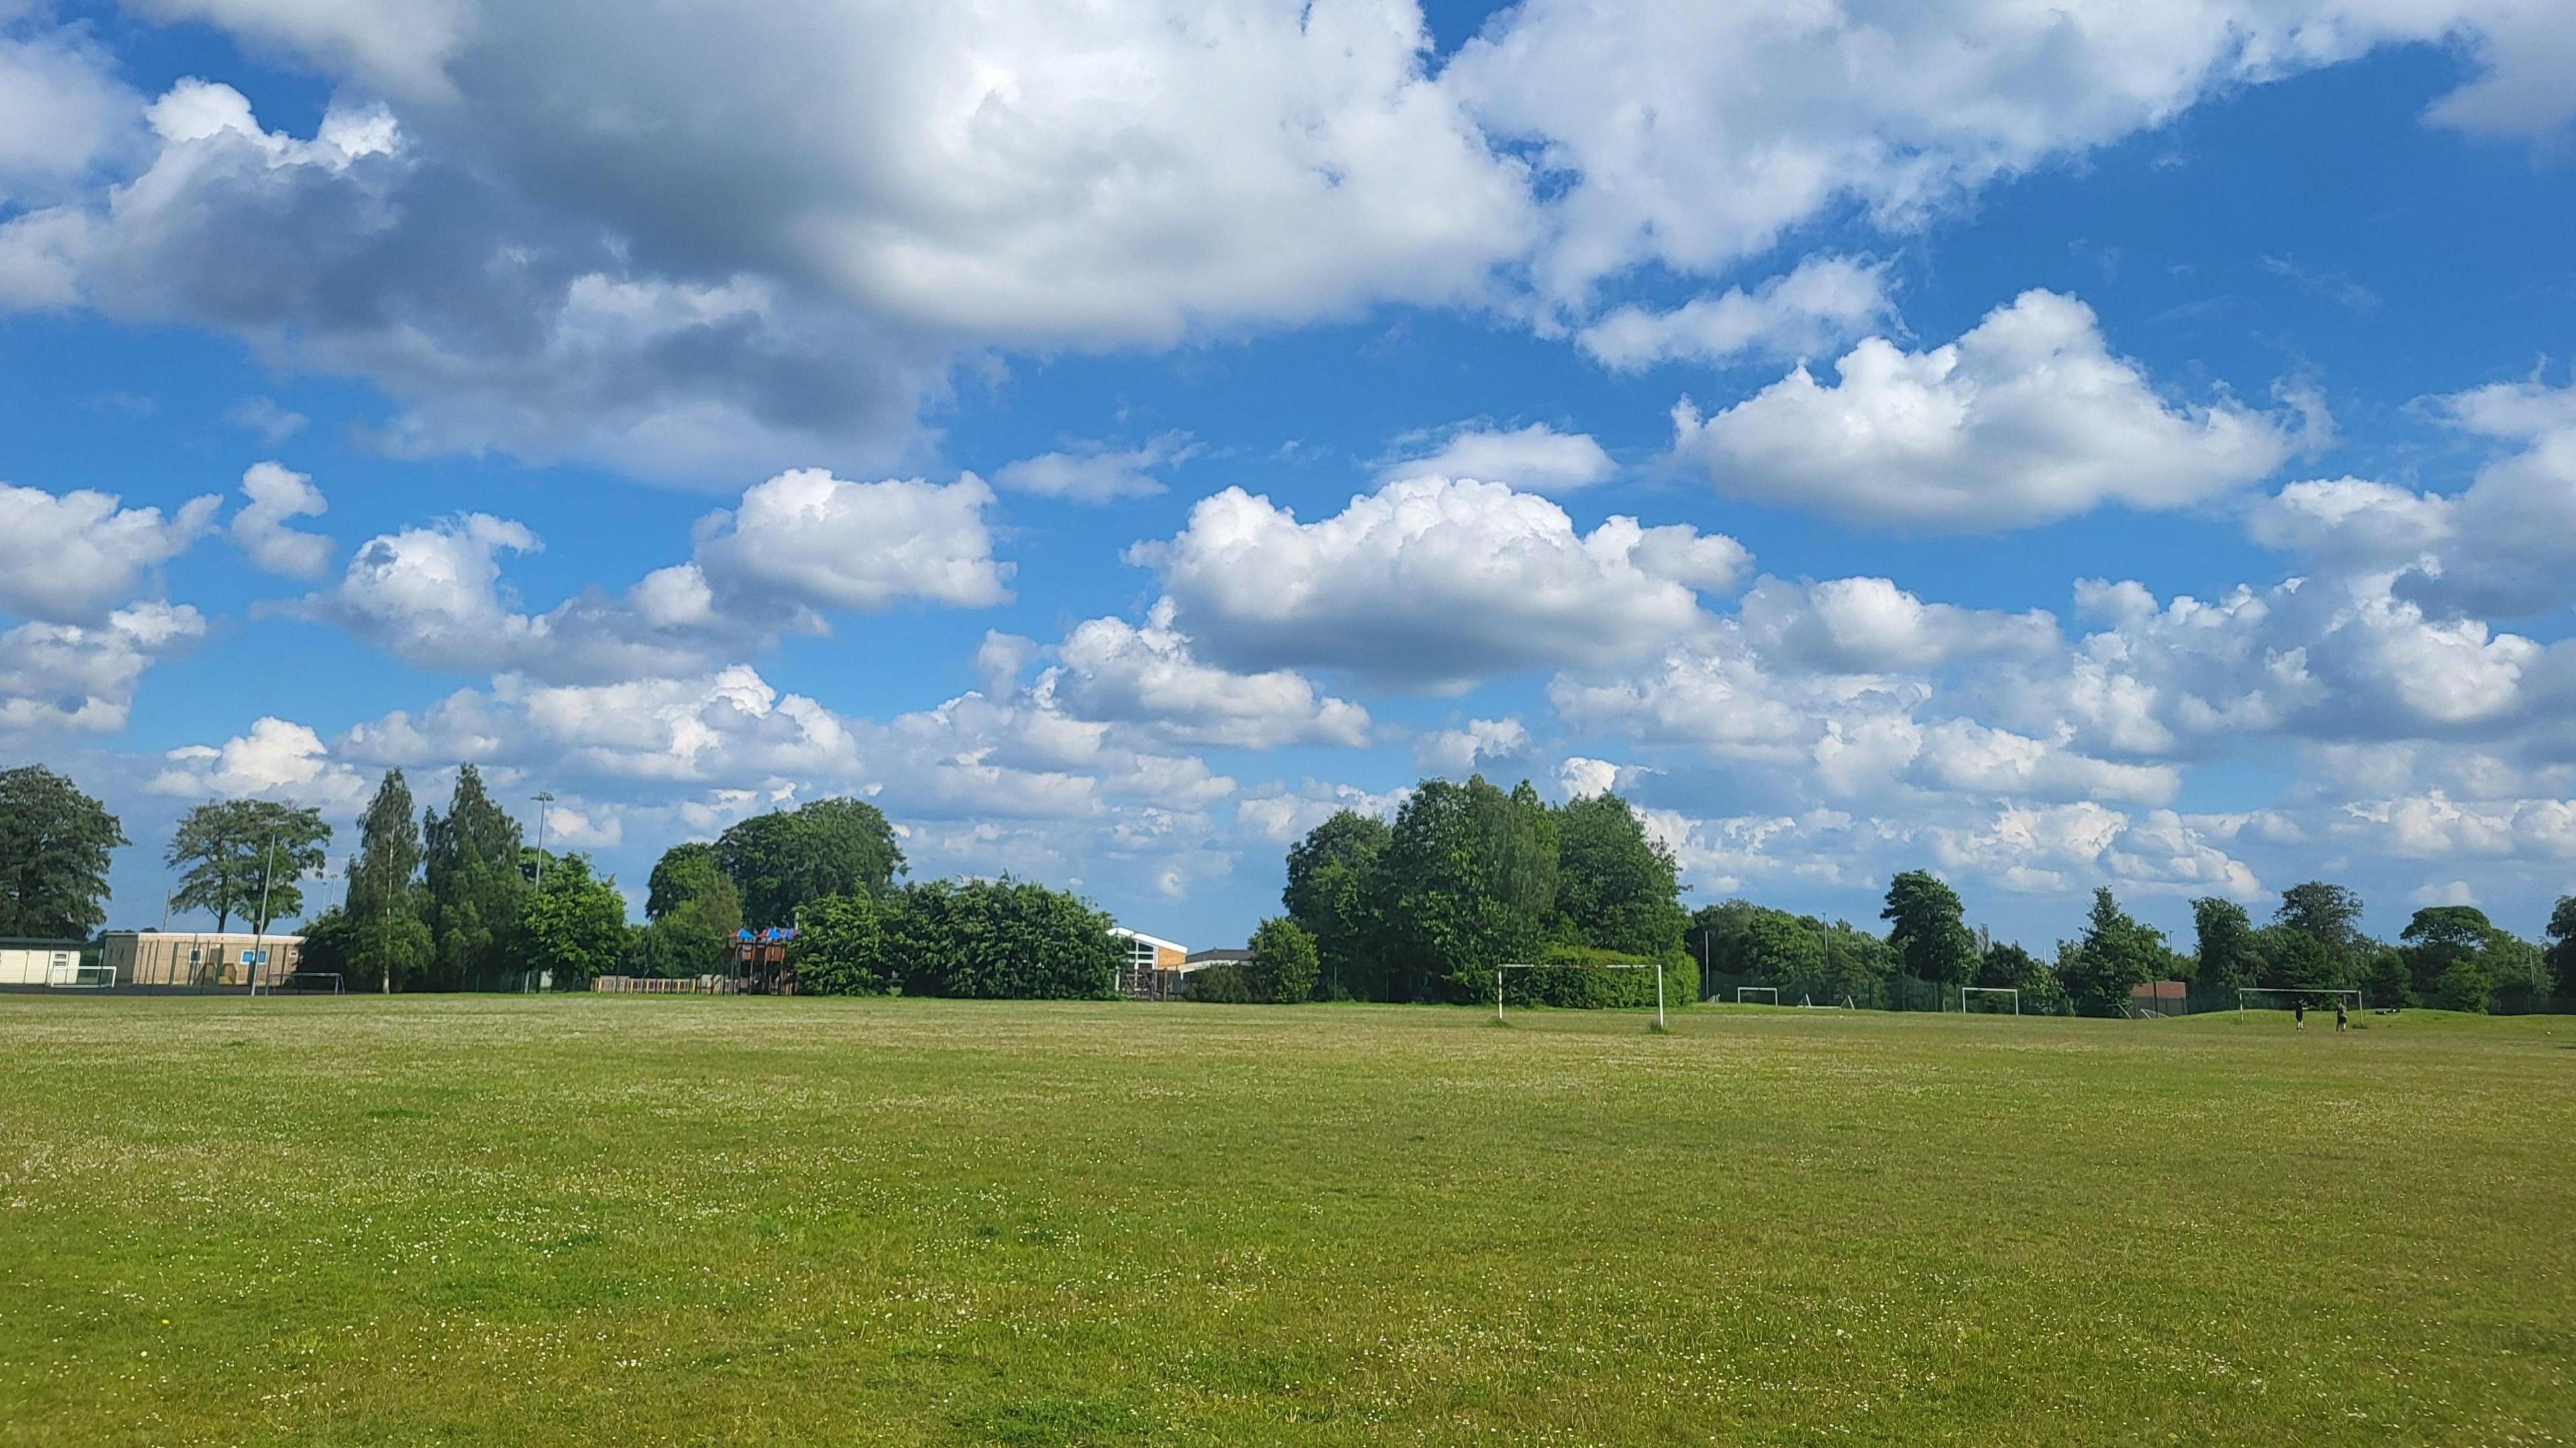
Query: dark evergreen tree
470	865
54	844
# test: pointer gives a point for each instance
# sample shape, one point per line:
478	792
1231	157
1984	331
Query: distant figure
2299	1014
2342	1022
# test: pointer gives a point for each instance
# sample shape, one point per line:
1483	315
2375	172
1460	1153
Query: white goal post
2330	994
1742	991
1966	991
1660	1023
75	976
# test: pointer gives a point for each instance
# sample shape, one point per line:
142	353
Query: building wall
33	964
180	957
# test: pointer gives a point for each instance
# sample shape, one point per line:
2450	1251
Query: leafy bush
1225	983
842	946
1283	962
1002	940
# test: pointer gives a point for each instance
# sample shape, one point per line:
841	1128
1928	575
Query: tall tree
470	868
781	860
1925	925
2115	954
695	912
246	857
1283	961
1471	881
1336	884
54	843
2330	915
574	924
384	941
2224	935
1617	887
2562	943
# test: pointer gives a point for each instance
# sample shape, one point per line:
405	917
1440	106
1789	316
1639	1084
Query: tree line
1470	876
2449	956
1465	878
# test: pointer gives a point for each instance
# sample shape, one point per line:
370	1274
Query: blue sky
2132	446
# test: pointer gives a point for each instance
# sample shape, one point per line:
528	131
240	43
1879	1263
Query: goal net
2288	998
2000	1000
1770	994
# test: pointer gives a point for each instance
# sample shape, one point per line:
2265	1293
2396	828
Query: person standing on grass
2342	1023
2299	1013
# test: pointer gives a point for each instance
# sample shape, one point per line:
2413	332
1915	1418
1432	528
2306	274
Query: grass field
691	1221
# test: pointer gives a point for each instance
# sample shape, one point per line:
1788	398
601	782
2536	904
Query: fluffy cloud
2504	545
1431	583
82	677
1691	137
70	558
277	758
2026	419
822	543
1117	672
1481	742
1860	625
1827	300
1537	458
1094	473
799	546
260	530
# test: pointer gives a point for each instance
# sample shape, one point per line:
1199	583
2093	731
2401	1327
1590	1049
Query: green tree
2115	954
2287	958
1925	925
1002	940
1471	882
2330	915
2457	958
843	946
474	888
384	942
1283	961
2562	943
695	913
1617	887
2224	934
54	844
246	857
2009	966
574	924
781	860
1335	885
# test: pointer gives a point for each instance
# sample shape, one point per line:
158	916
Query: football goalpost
2007	992
1660	1023
1772	991
2330	995
72	975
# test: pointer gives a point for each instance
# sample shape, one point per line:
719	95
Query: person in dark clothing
2342	1022
2299	1013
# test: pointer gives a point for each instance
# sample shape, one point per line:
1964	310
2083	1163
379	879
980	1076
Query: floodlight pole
543	799
259	927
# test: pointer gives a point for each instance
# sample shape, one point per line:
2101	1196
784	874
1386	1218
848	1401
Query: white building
37	962
1153	968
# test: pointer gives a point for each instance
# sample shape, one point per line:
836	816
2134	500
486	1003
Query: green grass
737	1221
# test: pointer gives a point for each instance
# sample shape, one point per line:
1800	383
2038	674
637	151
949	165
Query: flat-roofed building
201	957
37	962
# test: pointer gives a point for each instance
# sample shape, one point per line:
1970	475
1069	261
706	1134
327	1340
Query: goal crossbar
2328	992
1660	1023
1966	991
1742	991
